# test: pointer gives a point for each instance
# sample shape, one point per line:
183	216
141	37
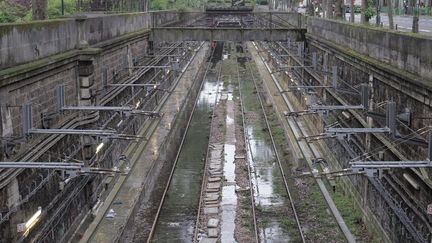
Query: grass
352	215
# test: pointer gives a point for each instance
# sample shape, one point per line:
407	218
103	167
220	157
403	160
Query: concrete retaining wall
25	42
402	50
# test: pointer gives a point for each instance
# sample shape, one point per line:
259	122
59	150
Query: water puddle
229	197
178	215
269	192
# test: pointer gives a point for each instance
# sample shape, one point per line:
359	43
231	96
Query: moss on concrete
377	63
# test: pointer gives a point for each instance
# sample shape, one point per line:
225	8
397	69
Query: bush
159	4
357	9
10	12
370	11
54	8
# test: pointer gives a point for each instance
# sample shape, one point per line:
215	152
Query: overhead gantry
231	25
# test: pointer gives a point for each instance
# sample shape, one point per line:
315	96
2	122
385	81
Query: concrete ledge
16	73
413	85
24	42
409	52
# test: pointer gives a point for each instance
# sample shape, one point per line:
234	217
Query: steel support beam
348	130
390	164
73	132
160	34
335	107
42	165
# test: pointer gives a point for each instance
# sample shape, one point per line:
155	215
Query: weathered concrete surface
25	42
225	34
411	53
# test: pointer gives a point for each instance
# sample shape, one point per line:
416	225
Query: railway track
148	131
165	193
309	151
251	190
246	73
251	77
403	207
273	143
206	166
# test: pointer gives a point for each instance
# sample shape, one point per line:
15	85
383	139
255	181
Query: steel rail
150	130
248	150
65	202
156	218
299	227
382	139
204	180
307	150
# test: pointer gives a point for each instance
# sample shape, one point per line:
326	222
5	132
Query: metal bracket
334	82
27	128
321	109
313	64
75	168
346	131
128	109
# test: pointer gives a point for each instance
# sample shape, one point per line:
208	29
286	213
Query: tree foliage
17	11
175	4
11	12
370	10
54	8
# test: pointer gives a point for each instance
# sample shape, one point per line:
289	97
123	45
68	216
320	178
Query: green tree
11	12
369	11
54	8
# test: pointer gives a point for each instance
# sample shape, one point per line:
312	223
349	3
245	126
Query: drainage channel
176	216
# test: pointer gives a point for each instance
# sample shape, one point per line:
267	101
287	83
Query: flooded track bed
176	216
232	180
275	212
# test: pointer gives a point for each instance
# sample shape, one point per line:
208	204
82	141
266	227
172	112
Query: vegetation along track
308	152
275	212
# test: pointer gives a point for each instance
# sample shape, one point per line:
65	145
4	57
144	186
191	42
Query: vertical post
314	60
391	117
27	119
378	16
105	77
415	25
365	96
369	120
334	77
299	49
430	146
60	98
271	21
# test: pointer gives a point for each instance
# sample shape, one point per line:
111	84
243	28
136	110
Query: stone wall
111	44
397	67
410	53
25	42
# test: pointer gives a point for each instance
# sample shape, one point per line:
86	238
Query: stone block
213	223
